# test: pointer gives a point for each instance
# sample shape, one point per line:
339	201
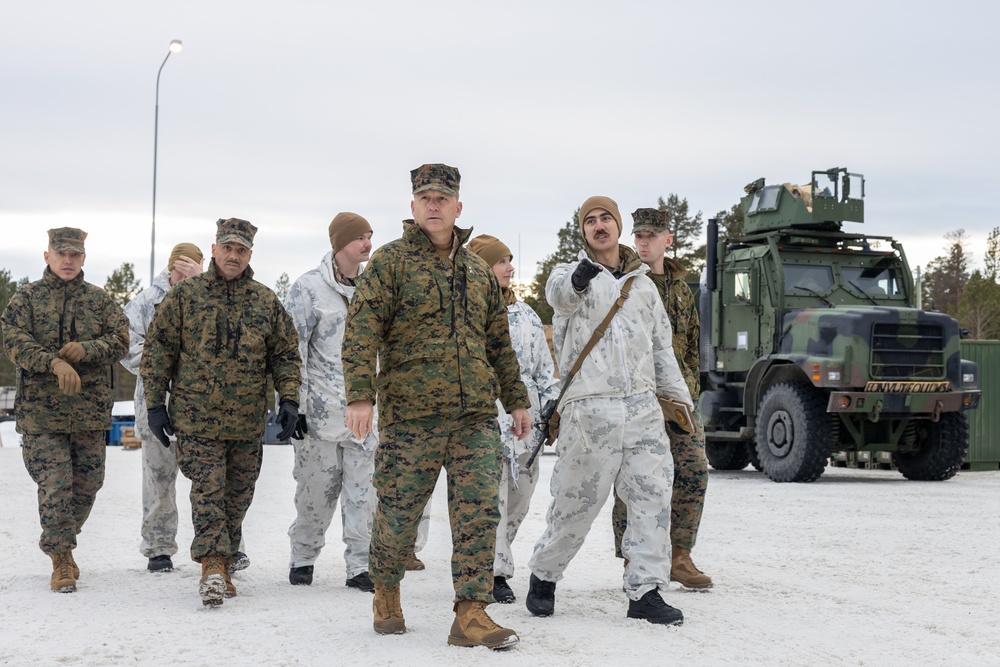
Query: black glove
293	425
159	424
584	273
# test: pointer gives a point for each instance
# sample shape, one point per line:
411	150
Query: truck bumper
927	405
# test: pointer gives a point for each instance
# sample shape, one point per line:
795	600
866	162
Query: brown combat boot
414	564
474	627
212	586
63	580
230	586
388	611
72	563
684	572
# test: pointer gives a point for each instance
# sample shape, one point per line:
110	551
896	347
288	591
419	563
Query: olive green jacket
42	317
212	344
437	330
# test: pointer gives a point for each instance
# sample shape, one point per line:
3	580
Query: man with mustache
64	335
212	343
330	464
611	430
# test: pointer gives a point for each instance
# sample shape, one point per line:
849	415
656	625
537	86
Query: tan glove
72	352
69	380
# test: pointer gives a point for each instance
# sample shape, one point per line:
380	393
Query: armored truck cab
811	343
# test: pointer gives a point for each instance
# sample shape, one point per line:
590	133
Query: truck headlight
968	379
833	376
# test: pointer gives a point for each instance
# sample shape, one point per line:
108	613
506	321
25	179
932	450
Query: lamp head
175	45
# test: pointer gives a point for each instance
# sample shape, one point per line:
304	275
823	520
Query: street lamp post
174	46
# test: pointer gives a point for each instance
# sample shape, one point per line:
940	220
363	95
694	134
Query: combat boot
502	592
541	598
230	586
414	564
683	571
651	607
72	563
388	611
63	580
212	586
474	627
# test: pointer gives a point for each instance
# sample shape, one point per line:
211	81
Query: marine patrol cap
234	230
67	238
438	177
650	220
490	248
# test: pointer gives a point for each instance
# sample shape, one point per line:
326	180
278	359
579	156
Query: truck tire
793	433
942	452
754	459
727	455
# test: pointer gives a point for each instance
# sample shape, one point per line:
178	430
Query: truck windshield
872	281
811	278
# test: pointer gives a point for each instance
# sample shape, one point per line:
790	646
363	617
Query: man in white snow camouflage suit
612	431
330	463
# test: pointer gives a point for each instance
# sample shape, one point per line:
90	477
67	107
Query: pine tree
570	244
946	275
282	286
122	285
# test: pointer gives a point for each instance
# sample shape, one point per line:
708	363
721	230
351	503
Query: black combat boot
160	564
541	599
502	591
301	576
652	608
362	582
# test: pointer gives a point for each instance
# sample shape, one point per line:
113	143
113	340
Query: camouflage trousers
424	529
408	460
326	472
515	498
687	503
223	474
69	470
605	442
159	499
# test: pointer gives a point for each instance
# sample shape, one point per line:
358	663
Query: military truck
811	344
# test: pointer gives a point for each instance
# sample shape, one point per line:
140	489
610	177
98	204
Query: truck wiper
810	289
863	293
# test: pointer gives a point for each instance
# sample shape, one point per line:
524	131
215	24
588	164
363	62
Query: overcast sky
285	113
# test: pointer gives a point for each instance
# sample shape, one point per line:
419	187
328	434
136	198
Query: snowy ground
858	568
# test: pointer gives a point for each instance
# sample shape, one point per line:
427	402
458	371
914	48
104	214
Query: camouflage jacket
527	336
212	344
317	303
634	355
438	330
684	321
42	317
139	312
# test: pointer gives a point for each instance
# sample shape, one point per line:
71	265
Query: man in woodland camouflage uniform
159	464
430	312
652	238
214	339
64	335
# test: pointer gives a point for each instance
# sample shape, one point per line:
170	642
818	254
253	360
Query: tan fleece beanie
490	248
607	203
345	227
189	250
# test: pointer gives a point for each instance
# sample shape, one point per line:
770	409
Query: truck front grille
907	351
